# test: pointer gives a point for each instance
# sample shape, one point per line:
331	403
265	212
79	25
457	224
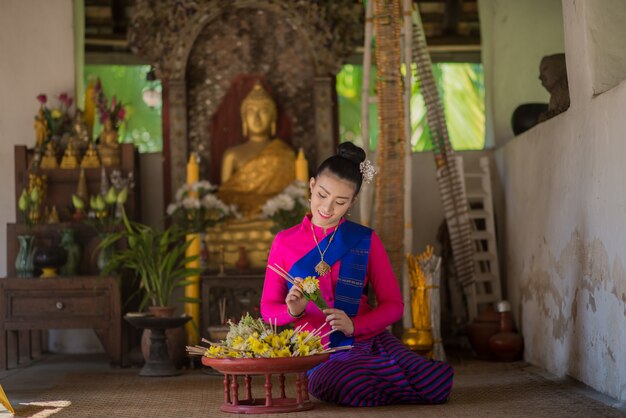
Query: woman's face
331	197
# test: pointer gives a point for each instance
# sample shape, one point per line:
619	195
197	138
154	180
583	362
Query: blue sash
351	245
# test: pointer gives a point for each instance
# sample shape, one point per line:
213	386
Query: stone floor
482	389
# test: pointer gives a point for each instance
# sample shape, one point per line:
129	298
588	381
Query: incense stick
285	276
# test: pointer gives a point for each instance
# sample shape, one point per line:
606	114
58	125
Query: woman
349	258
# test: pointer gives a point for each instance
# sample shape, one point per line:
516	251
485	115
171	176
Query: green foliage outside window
461	87
127	83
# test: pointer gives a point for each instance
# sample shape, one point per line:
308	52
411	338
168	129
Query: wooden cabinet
31	304
57	303
242	293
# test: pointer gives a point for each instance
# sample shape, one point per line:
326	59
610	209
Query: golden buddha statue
109	147
49	159
252	173
261	167
41	128
70	159
80	135
90	159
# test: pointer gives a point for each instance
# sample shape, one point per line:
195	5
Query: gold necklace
322	268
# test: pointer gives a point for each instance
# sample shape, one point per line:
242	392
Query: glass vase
104	255
24	261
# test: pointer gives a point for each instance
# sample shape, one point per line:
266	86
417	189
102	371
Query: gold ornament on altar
90	159
49	160
41	128
80	137
109	146
70	159
419	338
31	199
261	167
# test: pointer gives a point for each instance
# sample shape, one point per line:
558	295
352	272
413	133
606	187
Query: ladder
484	289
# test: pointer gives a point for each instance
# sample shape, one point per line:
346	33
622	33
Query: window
462	91
128	83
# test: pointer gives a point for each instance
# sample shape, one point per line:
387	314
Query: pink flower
121	114
42	98
63	97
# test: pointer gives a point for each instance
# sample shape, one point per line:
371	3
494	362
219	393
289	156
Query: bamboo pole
365	206
391	143
408	171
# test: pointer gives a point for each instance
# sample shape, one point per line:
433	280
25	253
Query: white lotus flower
191	203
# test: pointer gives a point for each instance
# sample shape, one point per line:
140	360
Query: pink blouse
292	244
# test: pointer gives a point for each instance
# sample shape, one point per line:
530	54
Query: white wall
606	42
36	56
565	184
515	36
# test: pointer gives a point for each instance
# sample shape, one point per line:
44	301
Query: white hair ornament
368	171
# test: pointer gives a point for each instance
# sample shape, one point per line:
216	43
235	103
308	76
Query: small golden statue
37	189
49	159
109	147
53	216
41	128
263	166
70	159
90	159
80	135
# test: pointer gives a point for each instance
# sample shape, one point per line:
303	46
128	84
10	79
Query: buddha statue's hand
339	321
295	300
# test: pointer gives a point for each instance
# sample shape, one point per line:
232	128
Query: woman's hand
295	300
339	321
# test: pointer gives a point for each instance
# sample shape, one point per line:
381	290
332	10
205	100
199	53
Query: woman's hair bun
351	152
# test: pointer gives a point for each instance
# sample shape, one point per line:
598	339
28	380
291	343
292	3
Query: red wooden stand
247	367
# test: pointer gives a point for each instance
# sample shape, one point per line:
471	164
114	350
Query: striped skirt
381	371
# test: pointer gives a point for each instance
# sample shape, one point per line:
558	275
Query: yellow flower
303	350
301	337
286	334
283	352
310	285
56	113
215	351
239	343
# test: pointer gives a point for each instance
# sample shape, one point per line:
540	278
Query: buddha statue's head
258	113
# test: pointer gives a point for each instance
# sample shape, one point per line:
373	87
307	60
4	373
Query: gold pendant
322	268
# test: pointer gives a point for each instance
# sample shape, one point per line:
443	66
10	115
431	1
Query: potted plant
159	264
157	259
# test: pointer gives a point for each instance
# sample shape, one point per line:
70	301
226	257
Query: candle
302	167
193	169
192	290
89	108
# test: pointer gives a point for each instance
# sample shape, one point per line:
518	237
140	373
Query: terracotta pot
162	311
484	326
507	346
176	337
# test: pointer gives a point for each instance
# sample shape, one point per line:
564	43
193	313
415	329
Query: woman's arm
273	304
383	281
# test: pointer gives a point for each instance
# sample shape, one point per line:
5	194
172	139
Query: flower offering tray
232	368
